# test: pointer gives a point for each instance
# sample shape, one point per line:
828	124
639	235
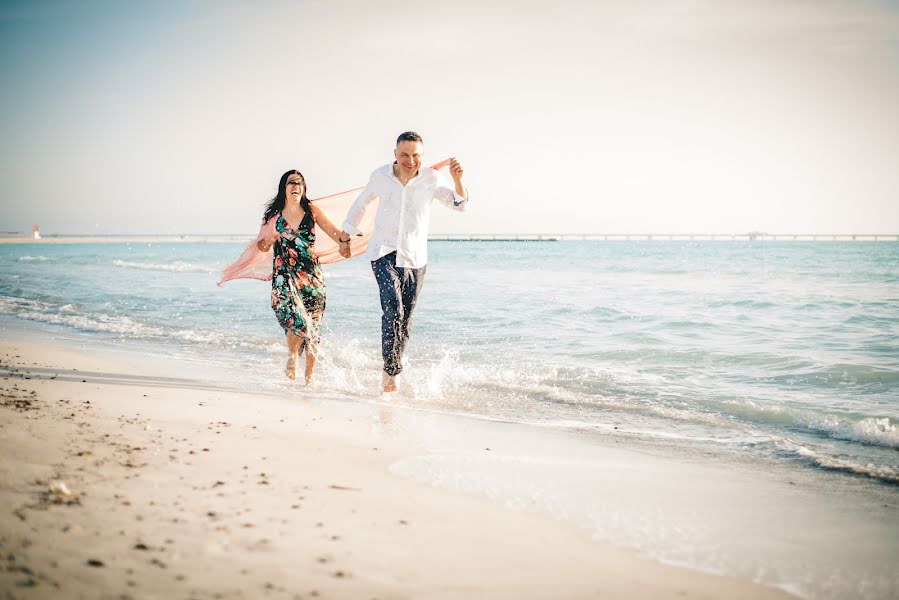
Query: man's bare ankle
388	382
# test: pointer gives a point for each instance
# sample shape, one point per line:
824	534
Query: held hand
456	169
343	244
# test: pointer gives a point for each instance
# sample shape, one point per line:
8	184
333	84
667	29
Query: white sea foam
177	266
825	461
11	305
871	430
483	387
34	258
127	326
876	431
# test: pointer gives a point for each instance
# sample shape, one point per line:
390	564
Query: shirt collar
397	179
423	173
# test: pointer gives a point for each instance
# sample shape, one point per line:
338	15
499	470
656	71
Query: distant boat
36	232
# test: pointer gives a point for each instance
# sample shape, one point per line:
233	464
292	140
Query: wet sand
121	482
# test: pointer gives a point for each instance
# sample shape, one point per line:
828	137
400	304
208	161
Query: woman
298	285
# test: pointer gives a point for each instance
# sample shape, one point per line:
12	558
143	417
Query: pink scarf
255	264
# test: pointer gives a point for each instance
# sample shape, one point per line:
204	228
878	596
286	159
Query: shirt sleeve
449	198
357	210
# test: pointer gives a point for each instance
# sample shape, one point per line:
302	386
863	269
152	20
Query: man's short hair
409	136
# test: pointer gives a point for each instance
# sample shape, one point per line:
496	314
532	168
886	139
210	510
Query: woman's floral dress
298	285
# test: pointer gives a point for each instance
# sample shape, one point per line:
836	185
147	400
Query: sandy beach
119	482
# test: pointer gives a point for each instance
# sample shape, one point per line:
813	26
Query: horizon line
7	237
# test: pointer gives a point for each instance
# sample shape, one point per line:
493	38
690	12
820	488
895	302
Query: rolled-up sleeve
448	197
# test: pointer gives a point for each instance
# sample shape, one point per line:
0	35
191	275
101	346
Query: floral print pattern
298	284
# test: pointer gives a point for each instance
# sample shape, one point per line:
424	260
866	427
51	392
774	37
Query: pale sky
619	116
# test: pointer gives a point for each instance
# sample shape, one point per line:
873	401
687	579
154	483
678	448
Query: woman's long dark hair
276	204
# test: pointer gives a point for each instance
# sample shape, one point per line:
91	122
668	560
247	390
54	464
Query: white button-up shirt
404	213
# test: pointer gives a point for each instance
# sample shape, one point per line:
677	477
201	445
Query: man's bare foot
310	366
291	369
388	382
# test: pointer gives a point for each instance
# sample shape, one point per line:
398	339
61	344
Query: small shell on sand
59	488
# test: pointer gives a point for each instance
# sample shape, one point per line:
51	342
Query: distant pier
749	237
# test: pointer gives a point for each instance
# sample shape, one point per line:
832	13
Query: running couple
397	249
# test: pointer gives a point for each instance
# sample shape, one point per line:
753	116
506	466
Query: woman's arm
331	230
325	223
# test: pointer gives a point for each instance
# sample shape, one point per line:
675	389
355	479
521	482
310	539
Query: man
398	249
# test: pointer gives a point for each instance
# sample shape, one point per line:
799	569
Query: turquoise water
780	353
789	349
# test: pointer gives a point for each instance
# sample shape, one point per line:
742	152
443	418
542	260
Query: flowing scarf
253	263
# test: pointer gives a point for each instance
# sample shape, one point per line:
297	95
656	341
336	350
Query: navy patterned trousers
399	288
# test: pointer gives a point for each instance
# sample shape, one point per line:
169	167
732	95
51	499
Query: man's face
408	157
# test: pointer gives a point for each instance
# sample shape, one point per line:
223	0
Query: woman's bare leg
310	364
293	348
314	320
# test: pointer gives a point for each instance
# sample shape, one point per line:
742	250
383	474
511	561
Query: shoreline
179	488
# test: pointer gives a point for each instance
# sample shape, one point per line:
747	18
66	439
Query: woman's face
295	187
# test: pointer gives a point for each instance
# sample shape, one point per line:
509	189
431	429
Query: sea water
758	357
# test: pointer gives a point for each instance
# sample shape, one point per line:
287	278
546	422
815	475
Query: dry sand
123	483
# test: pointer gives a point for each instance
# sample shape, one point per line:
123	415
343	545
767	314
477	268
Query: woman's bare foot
291	369
310	366
388	382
